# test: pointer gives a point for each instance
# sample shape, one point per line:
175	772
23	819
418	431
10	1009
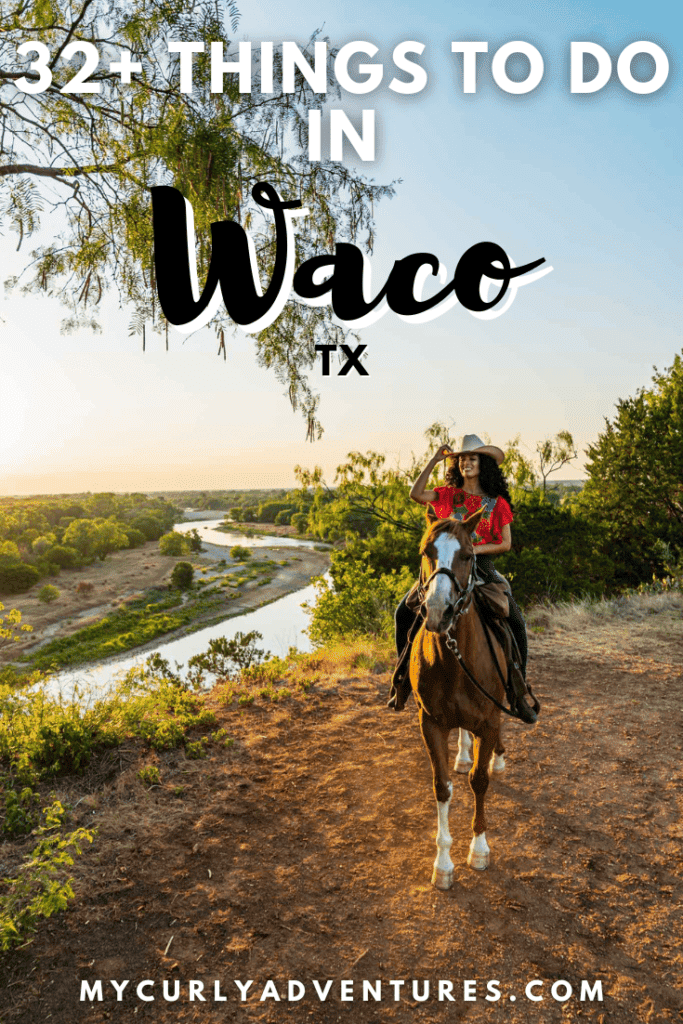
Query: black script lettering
230	267
345	283
476	263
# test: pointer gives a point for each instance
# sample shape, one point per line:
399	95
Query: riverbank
224	588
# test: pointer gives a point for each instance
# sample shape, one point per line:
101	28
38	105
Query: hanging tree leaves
92	159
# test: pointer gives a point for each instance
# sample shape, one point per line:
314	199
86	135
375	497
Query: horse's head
446	546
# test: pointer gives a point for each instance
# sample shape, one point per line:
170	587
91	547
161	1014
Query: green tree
182	575
173	544
109	536
95	156
554	453
635	474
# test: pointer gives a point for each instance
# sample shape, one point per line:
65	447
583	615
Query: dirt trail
304	852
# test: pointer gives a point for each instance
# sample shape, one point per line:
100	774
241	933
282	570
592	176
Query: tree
554	453
635	471
95	537
108	537
182	575
94	158
173	544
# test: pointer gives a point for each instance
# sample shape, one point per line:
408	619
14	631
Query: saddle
494	608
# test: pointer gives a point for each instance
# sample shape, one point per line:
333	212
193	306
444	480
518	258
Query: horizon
589	182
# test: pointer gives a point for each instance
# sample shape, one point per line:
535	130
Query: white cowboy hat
473	445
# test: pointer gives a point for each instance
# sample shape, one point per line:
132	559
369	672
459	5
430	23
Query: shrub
360	602
64	557
228	658
300	522
84	587
182	575
48	594
284	517
39	889
173	544
136	538
149	775
16	578
240	553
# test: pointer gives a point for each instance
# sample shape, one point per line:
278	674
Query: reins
461	607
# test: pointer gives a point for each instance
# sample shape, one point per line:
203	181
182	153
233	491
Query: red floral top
453	502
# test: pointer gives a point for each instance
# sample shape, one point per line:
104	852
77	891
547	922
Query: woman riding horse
473	481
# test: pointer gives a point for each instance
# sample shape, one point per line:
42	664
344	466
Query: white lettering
374	72
661	67
186	48
469	991
499	73
270	992
220	67
93	991
196	989
293	994
591	993
494	988
576	67
417	73
340	127
555	991
244	987
322	993
140	993
469	53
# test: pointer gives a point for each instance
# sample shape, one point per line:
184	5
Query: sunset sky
591	183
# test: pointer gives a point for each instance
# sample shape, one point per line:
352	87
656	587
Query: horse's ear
472	521
430	515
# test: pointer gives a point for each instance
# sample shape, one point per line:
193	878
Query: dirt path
304	852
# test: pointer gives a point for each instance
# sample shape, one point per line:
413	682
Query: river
282	623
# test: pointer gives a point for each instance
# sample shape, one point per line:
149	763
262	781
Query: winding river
282	623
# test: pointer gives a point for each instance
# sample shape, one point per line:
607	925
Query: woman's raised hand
442	453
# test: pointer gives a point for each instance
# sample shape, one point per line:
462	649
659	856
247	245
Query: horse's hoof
478	857
497	764
442	879
478	861
463	767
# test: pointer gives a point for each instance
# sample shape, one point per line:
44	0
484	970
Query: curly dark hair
491	479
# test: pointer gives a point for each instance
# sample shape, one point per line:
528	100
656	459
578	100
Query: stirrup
400	690
518	690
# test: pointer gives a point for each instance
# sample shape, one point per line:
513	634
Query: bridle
464	599
461	606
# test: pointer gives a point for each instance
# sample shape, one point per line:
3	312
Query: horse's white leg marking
463	761
497	763
442	877
478	857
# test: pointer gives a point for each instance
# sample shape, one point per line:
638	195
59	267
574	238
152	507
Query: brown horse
446	697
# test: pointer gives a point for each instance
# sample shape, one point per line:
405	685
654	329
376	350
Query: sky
589	182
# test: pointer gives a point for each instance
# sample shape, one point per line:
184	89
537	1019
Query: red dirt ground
305	850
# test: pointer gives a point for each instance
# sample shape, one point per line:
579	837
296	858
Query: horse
450	655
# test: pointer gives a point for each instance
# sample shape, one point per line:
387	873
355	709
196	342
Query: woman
473	479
